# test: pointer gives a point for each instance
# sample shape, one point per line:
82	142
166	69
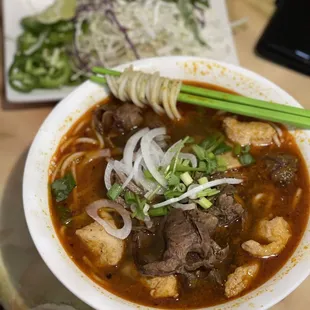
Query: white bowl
35	188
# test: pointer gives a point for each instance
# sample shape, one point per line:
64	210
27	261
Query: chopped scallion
153	193
204	203
148	175
185	162
186	178
209	192
173	180
221	163
237	149
139	214
114	191
211	155
158	211
130	198
222	148
203	180
199	151
172	194
181	188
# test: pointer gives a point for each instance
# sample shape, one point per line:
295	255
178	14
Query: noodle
62	230
66	144
85	140
78	127
297	197
55	172
69	160
263	200
147	89
75	194
98	135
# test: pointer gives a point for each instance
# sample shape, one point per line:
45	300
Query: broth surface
197	122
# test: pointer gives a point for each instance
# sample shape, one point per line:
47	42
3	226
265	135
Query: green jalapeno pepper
31	24
59	38
63	26
19	79
57	75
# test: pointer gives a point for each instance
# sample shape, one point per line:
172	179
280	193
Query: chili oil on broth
197	122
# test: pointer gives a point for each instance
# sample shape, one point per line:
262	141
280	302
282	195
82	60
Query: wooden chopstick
231	103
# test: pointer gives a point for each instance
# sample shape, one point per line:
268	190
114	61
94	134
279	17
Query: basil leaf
61	188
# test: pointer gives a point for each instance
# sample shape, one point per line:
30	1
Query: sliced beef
226	209
188	244
282	168
121	178
103	123
215	277
124	117
128	116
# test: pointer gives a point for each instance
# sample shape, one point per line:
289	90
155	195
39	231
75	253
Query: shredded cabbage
120	31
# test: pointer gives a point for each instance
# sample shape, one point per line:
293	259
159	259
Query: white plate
218	34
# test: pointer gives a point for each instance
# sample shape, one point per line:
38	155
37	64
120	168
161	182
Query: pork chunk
240	279
256	133
162	287
107	249
277	232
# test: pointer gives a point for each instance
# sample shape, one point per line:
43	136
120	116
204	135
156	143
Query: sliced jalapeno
33	25
19	79
59	38
63	26
57	75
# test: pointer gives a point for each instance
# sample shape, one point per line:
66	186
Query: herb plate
217	33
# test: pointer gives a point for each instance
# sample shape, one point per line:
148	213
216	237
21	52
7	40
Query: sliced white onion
147	220
130	147
276	140
119	167
184	206
157	149
199	189
170	153
277	129
141	180
147	156
191	157
133	171
122	233
107	174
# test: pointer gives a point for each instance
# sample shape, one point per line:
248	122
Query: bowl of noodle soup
64	117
